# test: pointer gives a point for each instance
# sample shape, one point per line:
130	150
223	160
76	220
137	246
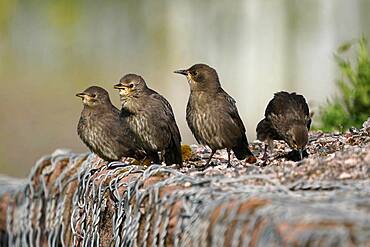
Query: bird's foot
229	165
207	165
264	163
265	156
264	159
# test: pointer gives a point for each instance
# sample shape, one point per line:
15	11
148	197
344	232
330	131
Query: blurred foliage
7	9
352	107
64	13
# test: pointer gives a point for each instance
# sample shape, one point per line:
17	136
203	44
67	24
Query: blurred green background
49	50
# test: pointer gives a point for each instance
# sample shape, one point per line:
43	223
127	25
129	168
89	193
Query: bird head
298	137
201	77
94	96
130	85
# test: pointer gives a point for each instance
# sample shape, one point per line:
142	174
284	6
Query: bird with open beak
287	117
212	115
102	129
151	118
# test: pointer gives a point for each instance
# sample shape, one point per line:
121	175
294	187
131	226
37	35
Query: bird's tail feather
172	154
154	157
242	150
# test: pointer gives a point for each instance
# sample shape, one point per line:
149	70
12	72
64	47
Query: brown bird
287	117
212	115
151	118
101	128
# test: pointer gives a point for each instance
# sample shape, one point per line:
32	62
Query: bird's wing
236	128
301	103
265	131
286	108
232	110
119	132
161	103
284	102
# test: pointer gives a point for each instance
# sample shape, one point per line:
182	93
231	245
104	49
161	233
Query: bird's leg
301	153
209	160
265	156
228	157
268	146
270	143
161	157
142	162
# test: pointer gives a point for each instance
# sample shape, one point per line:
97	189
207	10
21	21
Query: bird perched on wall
101	128
151	118
287	117
212	115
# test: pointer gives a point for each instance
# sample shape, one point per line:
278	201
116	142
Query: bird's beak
181	71
81	95
119	86
300	153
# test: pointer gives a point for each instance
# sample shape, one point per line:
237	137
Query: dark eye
131	85
194	73
93	95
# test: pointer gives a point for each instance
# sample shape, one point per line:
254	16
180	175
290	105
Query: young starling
101	128
212	115
151	118
287	117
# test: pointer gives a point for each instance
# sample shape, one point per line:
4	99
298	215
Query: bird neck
124	113
209	90
130	104
200	98
108	106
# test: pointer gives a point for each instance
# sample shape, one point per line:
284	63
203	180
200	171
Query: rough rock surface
74	199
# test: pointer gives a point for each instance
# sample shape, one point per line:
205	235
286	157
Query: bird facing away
212	115
287	117
151	118
101	128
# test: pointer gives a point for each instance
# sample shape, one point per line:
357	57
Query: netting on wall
76	200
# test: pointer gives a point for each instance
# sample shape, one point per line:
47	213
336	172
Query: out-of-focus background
51	50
